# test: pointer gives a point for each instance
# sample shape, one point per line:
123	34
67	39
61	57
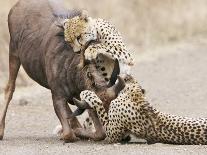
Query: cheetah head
79	30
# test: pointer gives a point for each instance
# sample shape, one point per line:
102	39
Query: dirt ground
175	78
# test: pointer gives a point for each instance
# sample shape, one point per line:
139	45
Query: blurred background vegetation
144	24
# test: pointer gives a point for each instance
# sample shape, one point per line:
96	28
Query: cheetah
80	30
131	113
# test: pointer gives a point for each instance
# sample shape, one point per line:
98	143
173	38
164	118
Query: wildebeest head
91	79
94	80
104	94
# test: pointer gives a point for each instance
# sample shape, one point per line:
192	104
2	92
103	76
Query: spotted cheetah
80	30
130	112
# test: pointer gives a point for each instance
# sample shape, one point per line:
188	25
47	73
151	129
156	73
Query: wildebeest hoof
99	136
1	137
85	134
1	132
70	138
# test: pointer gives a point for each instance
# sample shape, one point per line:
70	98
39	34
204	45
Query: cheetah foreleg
113	127
93	50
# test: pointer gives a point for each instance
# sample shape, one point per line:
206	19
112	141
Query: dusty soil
175	78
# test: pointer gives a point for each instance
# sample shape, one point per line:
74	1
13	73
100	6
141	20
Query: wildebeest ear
115	73
84	15
60	23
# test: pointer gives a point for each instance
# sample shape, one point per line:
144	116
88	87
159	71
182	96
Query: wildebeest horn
114	74
81	104
77	112
117	87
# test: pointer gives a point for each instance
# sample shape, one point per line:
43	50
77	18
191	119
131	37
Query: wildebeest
36	44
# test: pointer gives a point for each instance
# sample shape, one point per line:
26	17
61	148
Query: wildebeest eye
89	75
64	24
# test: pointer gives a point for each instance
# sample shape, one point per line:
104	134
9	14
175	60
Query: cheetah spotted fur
79	30
131	113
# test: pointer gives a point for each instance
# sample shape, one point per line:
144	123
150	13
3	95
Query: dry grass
150	22
143	23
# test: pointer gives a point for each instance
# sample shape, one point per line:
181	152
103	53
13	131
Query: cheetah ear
64	23
84	15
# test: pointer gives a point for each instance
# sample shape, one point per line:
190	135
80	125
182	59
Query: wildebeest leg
14	64
99	134
74	121
62	111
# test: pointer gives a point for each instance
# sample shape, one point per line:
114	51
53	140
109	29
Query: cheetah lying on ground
131	113
80	30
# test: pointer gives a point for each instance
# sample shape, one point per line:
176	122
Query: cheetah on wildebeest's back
80	30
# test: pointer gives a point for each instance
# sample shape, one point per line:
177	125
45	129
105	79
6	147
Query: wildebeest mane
60	11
